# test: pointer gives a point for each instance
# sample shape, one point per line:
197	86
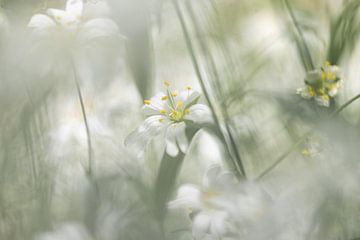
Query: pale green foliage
295	163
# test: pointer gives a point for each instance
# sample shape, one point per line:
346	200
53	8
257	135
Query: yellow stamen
167	84
174	94
305	152
311	91
187	111
189	87
325	97
163	111
147	102
327	64
331	76
179	103
164	98
161	120
323	76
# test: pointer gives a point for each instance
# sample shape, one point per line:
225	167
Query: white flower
70	132
209	221
222	206
169	113
322	84
71	20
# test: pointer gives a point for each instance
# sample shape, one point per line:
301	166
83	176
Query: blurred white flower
70	131
222	206
209	221
322	84
169	113
71	20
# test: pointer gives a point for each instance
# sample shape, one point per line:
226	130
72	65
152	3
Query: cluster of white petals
322	84
168	114
222	206
71	20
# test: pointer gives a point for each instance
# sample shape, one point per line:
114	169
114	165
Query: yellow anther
179	104
211	194
323	76
325	97
163	111
164	98
327	64
305	152
161	120
189	88
147	102
311	91
187	111
167	84
331	76
174	94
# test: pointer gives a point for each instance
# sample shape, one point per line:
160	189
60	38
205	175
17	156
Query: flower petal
155	106
181	138
199	113
170	139
98	28
192	98
188	196
61	16
218	224
201	225
41	21
75	7
152	127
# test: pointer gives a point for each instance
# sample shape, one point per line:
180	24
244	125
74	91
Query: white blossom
168	114
71	20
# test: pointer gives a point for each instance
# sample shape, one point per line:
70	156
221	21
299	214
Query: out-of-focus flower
322	84
169	113
209	222
71	20
222	206
70	131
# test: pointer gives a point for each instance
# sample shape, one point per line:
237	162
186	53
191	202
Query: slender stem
302	139
346	104
87	128
206	52
199	76
301	35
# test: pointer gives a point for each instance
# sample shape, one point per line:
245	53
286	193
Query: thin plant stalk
86	124
212	68
201	80
304	50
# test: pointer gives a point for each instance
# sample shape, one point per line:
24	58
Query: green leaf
166	178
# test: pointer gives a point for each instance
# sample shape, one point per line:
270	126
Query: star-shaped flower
168	114
322	84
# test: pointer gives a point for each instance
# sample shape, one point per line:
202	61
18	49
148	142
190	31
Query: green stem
302	44
87	128
199	76
212	68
